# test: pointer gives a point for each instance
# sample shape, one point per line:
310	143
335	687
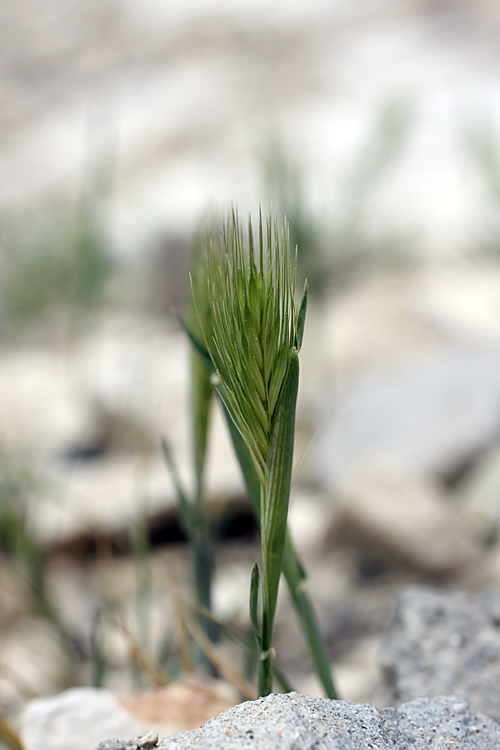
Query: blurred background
374	127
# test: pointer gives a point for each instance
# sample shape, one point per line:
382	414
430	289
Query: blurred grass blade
180	622
233	634
183	503
202	391
141	556
155	674
30	561
202	388
63	264
97	653
220	661
193	525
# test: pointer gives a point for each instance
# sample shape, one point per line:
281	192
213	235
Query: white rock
79	718
460	301
76	719
403	515
427	416
372	323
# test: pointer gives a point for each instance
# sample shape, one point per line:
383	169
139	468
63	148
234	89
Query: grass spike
253	350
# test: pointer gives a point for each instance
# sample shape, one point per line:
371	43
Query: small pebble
149	740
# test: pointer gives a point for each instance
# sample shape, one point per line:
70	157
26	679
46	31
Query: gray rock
439	643
428	416
403	517
298	722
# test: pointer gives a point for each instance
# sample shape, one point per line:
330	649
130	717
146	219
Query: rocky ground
298	721
370	513
183	107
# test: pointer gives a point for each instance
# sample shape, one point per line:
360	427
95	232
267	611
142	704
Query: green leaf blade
276	494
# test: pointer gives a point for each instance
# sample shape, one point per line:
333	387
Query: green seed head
255	324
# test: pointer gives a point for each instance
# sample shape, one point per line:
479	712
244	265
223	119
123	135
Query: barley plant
253	334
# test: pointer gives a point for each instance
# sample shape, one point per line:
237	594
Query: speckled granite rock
298	722
439	643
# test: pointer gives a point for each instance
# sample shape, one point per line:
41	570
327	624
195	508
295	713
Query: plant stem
274	501
293	570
